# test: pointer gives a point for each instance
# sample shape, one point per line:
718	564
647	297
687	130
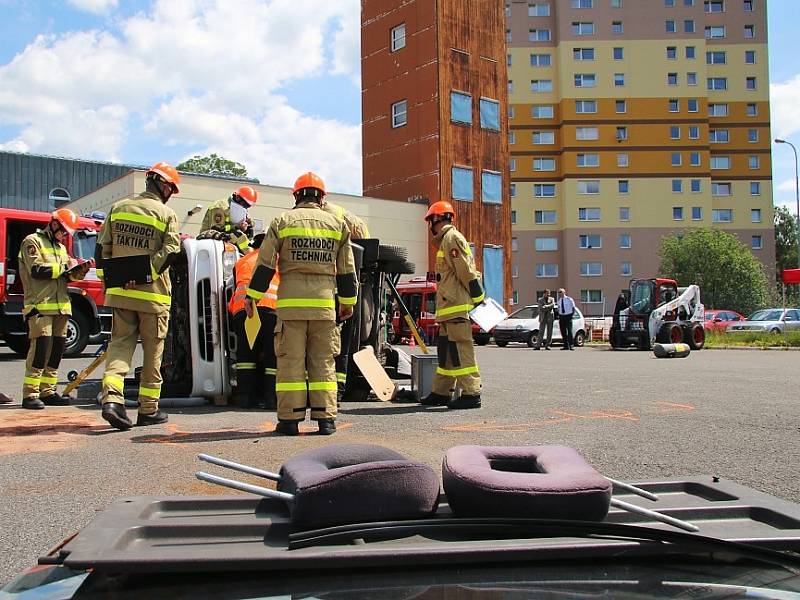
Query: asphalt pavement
734	414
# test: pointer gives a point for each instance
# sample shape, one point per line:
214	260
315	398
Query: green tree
728	274
213	164
785	239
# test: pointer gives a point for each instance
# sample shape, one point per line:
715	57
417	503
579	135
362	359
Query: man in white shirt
566	308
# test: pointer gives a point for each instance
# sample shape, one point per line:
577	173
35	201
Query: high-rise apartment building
630	120
434	123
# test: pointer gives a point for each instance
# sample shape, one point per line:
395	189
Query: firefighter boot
287	428
155	418
32	403
434	399
270	396
465	401
326	426
115	414
55	399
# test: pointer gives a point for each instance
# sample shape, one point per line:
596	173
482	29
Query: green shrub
754	339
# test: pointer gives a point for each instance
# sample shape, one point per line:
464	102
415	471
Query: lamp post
797	193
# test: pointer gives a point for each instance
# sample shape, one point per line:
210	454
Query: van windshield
83	244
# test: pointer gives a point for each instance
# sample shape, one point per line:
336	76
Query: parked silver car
769	320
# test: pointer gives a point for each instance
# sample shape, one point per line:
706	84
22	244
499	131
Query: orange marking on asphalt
673	407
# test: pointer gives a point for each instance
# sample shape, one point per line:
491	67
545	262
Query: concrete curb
769	348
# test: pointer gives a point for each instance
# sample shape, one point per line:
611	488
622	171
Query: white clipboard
488	314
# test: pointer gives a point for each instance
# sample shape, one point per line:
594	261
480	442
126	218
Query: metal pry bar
686	526
632	488
244	487
239	467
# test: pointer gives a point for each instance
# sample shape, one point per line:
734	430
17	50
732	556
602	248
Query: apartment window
622	134
715	31
722	215
508	60
581	3
515	270
462	183
539	10
544	137
508	36
674	105
591	186
461	108
588	160
720	188
619	79
717	110
587	133
750	83
616	3
512	164
694	132
514	219
582	28
512	138
756	242
399	113
717	83
669	26
588	214
688	2
541	85
720	162
755	215
753	162
750	57
540	60
692	105
542	112
674	132
624	240
591	269
512	190
752	110
544	190
546	244
677	213
677	186
510	111
618	53
718	136
616	27
691	78
695	186
544	164
510	86
592	296
752	135
583	53
539	35
694	159
623	186
546	269
697	213
690	52
514	244
625	268
590	241
585	80
672	79
717	57
398	37
669	2
620	106
755	188
585	106
624	213
675	159
490	114
749	32
622	160
544	217
491	187
672	52
714	6
688	26
748	5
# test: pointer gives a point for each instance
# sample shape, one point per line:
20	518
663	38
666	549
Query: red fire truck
90	320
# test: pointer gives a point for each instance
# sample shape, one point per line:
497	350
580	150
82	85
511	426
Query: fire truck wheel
77	334
697	336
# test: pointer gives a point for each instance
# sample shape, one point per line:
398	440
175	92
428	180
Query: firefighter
43	266
311	248
249	361
358	231
229	219
139	225
458	291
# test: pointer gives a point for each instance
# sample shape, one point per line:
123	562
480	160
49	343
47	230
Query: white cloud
786	186
785	107
204	73
94	6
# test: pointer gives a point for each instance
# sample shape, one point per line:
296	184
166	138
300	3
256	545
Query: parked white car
523	326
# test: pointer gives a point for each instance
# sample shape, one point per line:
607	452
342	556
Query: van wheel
580	338
77	335
531	341
501	344
18	344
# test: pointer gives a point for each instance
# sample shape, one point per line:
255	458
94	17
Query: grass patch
754	339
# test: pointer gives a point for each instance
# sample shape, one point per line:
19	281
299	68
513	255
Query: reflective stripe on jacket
42	263
459	286
244	273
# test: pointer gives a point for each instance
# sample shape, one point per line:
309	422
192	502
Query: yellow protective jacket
42	265
311	249
218	216
459	286
141	224
355	224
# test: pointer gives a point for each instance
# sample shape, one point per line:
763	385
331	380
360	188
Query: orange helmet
248	194
168	172
67	219
442	207
309	180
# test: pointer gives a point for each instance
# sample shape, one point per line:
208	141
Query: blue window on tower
461	108
462	183
491	186
490	114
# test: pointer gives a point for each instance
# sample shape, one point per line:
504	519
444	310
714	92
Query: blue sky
273	84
